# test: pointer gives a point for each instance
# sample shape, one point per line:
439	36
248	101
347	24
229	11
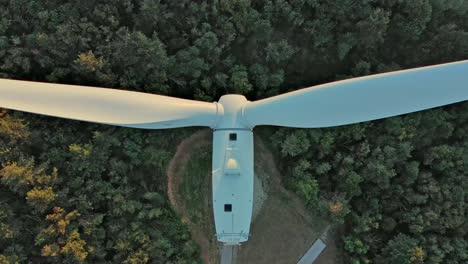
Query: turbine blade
106	106
363	99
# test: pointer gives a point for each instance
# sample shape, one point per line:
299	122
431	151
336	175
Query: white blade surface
363	99
106	106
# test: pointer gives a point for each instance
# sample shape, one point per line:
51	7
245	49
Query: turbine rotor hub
230	112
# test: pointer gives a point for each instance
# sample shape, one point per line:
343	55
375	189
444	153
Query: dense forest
73	192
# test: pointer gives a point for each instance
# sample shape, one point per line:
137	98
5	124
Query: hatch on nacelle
231	165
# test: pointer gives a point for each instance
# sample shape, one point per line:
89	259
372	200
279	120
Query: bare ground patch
284	229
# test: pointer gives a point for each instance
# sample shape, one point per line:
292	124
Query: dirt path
282	229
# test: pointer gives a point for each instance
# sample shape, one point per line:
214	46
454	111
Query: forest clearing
281	223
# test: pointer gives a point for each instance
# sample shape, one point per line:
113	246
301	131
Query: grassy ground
189	190
195	188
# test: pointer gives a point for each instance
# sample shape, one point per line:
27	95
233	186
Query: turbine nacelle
232	175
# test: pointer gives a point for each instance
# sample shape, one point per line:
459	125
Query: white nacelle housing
232	184
232	172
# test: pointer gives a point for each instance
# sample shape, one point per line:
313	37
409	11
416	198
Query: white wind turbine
233	118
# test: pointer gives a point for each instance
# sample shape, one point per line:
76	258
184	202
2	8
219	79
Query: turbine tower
233	118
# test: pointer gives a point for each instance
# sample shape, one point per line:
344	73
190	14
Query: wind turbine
233	117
